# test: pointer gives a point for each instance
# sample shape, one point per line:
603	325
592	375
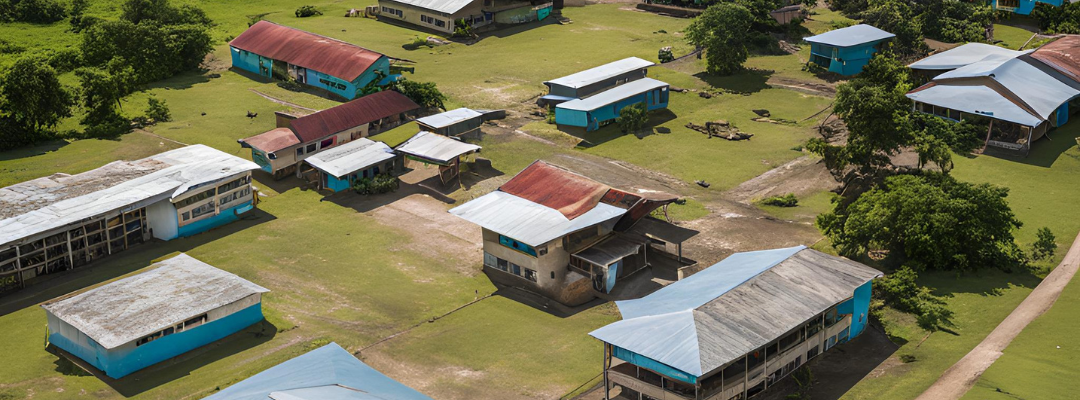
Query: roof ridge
322	36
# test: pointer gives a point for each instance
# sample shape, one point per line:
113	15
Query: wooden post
71	258
746	376
607	361
18	266
765	367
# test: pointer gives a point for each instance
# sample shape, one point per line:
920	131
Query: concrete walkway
958	379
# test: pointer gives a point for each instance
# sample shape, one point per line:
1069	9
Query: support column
607	362
765	367
71	257
746	376
18	266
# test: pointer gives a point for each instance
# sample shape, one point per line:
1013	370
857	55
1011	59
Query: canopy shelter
614	257
327	373
446	152
657	230
455	123
341	166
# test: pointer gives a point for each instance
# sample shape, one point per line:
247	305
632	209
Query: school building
846	51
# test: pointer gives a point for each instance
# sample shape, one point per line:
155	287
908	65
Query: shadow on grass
612	132
749	81
987	282
33	150
840	368
1046	151
511	30
141	256
186	80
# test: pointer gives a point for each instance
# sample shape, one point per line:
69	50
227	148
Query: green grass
1010	36
822	19
807	209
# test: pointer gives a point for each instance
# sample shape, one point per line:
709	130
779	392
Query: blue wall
120	362
590	120
1026	6
250	62
859	308
646	362
226	216
845	60
1063	114
336	184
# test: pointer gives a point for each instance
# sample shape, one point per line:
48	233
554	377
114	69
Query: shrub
307	11
157	110
66	59
291	85
382	183
787	200
907	358
632	118
900	291
462	29
416	43
551	116
7	47
154	51
32	11
1045	246
425	94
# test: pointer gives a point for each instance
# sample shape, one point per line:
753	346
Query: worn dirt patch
734	227
435	232
447	382
801	176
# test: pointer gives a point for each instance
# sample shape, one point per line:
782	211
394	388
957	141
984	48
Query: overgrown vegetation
157	110
951	21
900	291
32	102
32	11
633	118
381	183
722	30
425	94
102	90
1064	19
787	200
307	11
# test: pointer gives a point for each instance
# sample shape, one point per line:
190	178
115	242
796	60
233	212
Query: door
301	74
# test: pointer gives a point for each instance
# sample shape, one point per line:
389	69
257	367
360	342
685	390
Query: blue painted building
603	108
846	51
733	329
343	166
1022	7
179	305
276	51
327	373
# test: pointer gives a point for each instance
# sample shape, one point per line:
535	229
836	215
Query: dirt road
959	378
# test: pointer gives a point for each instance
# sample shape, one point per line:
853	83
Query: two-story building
280	150
568	237
60	222
444	15
734	329
595	80
846	51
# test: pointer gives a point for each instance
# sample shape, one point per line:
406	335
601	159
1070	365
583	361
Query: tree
1045	246
956	21
897	17
32	11
157	110
425	94
722	30
900	291
930	219
31	95
633	117
102	91
154	51
161	12
1063	19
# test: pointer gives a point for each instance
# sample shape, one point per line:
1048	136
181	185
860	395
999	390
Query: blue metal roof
327	373
850	36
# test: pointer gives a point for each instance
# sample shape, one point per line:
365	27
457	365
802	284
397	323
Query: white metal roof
527	222
1039	90
601	73
850	36
613	95
435	147
443	6
964	55
188	167
179	289
350	157
448	118
726	311
975	99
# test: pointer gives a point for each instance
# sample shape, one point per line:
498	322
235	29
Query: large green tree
154	51
102	92
722	30
31	95
1064	19
899	18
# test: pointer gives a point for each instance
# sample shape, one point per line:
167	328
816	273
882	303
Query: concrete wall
858	306
592	120
251	62
411	15
223	217
597	87
846	60
161	217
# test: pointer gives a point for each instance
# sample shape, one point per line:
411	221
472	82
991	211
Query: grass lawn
1010	36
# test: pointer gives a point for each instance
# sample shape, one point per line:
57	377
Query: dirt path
282	102
959	378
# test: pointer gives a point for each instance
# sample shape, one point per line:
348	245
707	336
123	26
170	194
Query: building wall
128	358
1062	115
263	66
223	217
457	129
1025	6
393	166
161	217
844	60
412	14
559	90
858	307
251	62
593	120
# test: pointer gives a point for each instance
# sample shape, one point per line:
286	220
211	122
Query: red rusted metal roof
569	193
273	140
1063	55
320	53
364	110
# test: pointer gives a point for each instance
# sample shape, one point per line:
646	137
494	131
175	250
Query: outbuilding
446	152
846	51
61	222
595	80
341	167
456	123
139	321
736	328
603	108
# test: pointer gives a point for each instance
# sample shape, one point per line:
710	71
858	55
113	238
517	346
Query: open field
356	270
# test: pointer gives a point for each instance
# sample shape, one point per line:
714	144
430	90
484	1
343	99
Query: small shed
327	373
135	322
601	109
339	168
443	151
846	51
454	123
784	15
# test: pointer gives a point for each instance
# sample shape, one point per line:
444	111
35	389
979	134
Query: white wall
161	217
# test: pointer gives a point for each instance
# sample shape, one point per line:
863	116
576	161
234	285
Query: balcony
649	383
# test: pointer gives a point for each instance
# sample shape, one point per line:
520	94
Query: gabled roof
556	188
350	157
964	55
316	52
352	114
528	222
443	6
726	311
613	95
601	73
435	147
179	289
449	118
1062	55
974	99
851	36
177	172
273	140
327	373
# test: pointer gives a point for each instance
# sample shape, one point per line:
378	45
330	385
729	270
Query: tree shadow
34	150
746	82
510	30
840	368
185	80
613	131
986	282
141	256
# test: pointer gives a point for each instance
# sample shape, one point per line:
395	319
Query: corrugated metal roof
179	289
850	36
186	167
350	157
551	186
1036	89
1063	55
528	222
718	315
320	53
435	147
273	140
974	99
661	230
443	6
612	249
601	73
320	374
964	55
449	118
358	112
613	95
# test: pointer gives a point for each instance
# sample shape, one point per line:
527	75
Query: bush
153	51
633	118
462	29
7	47
32	11
1045	246
382	183
1064	19
291	85
416	43
307	11
65	60
900	291
424	94
157	110
551	116
787	200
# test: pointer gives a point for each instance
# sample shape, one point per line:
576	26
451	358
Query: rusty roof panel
1063	55
320	53
364	110
569	193
273	140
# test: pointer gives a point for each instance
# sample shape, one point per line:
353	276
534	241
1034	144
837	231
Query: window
490	260
542	250
168	331
516	245
530	274
186	216
148	339
813	352
310	148
516	269
202	210
233	185
240	194
191	323
195	199
440	23
552	274
327	143
1009	3
504	265
299	151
